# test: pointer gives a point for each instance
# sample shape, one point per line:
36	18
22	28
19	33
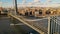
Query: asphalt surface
6	28
4	25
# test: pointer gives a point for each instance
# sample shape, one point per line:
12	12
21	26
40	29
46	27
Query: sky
9	3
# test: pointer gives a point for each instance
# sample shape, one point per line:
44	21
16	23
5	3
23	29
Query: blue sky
10	2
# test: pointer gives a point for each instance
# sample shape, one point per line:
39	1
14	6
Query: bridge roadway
38	24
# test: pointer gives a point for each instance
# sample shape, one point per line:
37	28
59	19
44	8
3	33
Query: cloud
36	0
34	3
0	2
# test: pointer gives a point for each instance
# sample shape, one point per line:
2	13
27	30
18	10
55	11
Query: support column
49	25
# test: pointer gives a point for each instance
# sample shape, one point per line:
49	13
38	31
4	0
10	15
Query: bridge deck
37	24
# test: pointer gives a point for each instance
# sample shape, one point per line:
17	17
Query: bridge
44	25
41	25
